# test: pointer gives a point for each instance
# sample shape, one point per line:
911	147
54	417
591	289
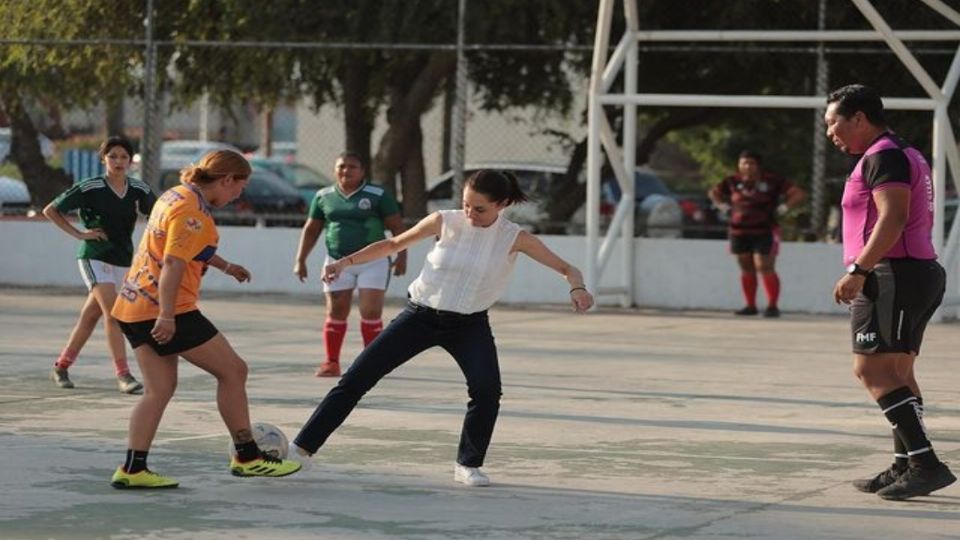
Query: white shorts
371	275
96	272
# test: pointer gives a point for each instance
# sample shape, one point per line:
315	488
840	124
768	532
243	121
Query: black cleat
749	310
883	479
917	482
771	312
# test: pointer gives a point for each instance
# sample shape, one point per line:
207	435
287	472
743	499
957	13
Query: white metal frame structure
604	72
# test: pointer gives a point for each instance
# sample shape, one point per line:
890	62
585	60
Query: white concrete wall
677	274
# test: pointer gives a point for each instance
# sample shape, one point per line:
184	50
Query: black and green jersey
100	207
353	222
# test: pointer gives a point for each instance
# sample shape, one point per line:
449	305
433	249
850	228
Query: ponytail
498	186
215	165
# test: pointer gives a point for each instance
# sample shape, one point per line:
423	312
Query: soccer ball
269	438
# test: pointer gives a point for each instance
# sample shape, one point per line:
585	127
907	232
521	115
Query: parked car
305	179
14	196
281	151
267	200
534	178
178	154
657	214
699	217
46	145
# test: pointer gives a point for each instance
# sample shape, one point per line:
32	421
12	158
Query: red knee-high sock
771	284
748	282
333	333
370	329
120	366
66	359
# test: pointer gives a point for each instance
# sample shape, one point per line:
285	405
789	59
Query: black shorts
763	244
898	299
193	330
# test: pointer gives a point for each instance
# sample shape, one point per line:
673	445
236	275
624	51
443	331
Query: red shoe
328	369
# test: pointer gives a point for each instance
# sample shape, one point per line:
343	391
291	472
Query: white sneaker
471	476
295	453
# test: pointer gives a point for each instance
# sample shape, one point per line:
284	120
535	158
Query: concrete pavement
617	424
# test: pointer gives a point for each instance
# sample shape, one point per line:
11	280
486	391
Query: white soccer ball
269	438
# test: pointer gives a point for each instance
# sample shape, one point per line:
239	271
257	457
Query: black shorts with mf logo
898	299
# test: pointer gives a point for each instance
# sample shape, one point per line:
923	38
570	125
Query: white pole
944	10
752	102
898	48
791	35
629	155
594	159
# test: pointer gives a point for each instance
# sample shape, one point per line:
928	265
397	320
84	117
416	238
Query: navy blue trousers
466	337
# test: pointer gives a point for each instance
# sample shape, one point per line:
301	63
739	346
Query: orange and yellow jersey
180	225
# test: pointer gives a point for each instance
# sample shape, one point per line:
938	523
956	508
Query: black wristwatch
855	269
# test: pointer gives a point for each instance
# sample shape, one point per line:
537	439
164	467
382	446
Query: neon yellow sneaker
145	479
264	466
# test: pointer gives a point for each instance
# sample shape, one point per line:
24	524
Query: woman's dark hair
857	97
750	154
354	156
498	186
110	142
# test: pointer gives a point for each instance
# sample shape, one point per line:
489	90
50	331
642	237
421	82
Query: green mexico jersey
353	222
100	207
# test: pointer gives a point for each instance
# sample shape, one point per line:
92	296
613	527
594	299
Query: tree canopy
229	50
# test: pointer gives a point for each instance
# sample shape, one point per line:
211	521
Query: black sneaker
916	482
883	479
749	310
772	312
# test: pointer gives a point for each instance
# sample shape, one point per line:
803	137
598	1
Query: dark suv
267	201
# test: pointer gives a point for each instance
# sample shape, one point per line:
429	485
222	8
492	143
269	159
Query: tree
406	82
69	76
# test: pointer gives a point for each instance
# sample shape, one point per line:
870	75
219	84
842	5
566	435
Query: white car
534	178
179	154
657	213
13	193
46	145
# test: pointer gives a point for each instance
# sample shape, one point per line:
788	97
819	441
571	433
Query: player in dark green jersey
107	207
354	213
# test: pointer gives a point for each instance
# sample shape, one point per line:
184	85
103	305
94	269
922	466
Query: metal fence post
152	122
459	131
818	199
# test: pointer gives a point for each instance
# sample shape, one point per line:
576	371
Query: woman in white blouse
464	274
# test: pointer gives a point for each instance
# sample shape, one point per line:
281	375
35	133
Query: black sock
136	461
899	452
247	451
901	409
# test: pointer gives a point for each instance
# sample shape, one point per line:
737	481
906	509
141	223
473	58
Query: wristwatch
855	269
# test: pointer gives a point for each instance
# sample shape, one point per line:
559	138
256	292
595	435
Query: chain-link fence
293	145
293	105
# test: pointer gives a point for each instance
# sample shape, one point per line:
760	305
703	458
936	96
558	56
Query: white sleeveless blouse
469	267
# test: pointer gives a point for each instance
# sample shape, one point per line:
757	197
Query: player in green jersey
107	206
354	213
